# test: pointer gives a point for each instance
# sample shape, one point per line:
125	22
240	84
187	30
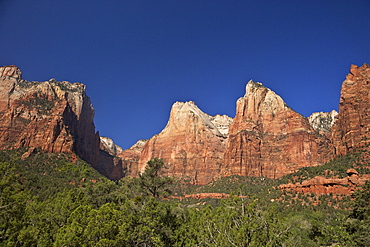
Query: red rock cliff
55	116
269	139
131	157
352	127
192	144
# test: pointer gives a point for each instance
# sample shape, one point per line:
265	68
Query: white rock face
218	125
222	123
108	145
139	145
322	121
269	102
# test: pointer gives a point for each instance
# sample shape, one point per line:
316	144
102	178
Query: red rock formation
131	157
352	127
191	144
134	152
11	70
55	116
267	138
323	185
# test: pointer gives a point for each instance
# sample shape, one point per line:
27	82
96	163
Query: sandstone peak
267	138
351	129
260	97
358	73
139	144
131	156
222	123
181	111
192	144
322	121
109	146
11	70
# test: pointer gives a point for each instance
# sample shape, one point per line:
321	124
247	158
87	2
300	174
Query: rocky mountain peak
181	111
267	138
109	146
192	144
11	70
139	145
263	98
322	121
351	129
222	123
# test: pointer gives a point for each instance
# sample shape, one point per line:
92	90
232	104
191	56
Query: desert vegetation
54	200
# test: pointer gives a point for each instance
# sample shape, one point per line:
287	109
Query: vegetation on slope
48	200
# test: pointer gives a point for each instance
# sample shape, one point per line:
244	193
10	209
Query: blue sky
139	57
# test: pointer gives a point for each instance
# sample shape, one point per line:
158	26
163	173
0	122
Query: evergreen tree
150	181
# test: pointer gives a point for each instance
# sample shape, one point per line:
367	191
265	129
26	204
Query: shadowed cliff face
191	144
352	127
269	139
55	116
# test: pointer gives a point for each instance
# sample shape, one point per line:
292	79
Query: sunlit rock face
352	127
332	185
11	71
267	138
55	116
322	121
109	146
192	144
133	153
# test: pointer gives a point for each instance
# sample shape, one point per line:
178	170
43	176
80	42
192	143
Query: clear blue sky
138	57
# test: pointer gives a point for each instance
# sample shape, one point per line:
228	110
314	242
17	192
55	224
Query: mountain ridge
265	138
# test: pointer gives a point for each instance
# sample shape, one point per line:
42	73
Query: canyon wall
55	116
352	128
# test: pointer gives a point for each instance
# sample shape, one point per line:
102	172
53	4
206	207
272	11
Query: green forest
51	200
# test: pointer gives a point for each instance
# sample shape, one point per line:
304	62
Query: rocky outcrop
322	121
323	185
109	146
267	138
134	152
192	144
352	128
131	157
11	71
54	116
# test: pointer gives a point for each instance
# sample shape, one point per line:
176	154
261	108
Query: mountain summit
192	144
266	138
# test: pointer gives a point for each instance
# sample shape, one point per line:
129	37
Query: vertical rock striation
192	144
351	129
267	138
